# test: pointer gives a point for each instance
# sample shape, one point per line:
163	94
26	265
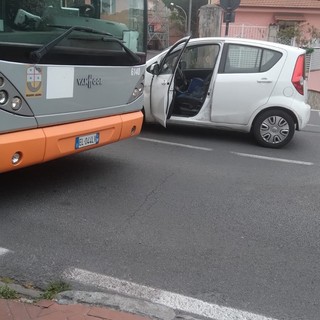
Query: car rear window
249	59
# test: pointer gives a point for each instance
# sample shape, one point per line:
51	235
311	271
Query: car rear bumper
303	114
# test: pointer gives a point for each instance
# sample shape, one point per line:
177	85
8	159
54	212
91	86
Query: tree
196	4
301	34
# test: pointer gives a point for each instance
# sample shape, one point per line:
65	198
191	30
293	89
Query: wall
314	99
314	80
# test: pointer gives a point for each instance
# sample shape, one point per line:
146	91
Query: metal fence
246	31
315	59
265	33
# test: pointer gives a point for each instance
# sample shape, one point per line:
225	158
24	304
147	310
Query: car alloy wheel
273	128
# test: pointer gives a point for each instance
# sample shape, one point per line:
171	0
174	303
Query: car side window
200	57
196	57
269	59
249	59
169	63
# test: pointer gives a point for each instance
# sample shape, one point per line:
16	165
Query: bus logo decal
34	82
89	81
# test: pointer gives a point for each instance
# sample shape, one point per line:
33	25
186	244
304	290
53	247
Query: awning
289	17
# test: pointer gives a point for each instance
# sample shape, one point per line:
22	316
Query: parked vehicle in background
71	76
230	83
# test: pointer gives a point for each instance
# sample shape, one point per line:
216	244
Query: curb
29	293
109	300
117	302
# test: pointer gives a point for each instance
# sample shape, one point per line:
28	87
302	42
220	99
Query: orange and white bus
71	76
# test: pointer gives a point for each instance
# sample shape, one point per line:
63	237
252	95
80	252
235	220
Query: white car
230	83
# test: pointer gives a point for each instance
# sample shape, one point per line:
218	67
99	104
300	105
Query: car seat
190	101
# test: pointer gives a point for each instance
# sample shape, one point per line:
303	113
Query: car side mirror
155	69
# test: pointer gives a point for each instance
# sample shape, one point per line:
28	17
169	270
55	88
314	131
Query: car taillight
298	75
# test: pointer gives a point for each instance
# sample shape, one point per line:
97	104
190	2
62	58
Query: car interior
192	79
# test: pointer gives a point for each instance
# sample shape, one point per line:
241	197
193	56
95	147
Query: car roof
246	41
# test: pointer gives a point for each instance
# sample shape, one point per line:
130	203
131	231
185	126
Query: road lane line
166	298
175	144
304	163
3	251
312	125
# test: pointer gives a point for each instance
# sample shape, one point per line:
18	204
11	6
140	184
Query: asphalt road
204	213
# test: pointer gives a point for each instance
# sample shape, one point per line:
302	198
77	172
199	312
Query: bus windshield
97	26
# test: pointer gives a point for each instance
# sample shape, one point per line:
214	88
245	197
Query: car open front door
162	84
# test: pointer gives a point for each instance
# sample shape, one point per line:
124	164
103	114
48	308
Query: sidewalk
83	305
51	310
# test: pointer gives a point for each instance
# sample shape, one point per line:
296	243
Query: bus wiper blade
135	57
38	54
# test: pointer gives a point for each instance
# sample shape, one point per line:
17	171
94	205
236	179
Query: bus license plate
87	140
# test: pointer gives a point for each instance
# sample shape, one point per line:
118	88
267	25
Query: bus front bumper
25	148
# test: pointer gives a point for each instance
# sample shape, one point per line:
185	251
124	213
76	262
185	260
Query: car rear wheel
273	128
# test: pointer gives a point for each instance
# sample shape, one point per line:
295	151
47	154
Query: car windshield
39	21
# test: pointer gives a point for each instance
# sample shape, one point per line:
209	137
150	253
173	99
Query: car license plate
87	140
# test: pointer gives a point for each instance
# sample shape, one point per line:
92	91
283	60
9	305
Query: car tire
273	128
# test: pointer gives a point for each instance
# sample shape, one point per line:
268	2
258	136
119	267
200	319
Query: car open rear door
162	84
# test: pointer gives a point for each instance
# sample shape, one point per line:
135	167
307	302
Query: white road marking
175	144
313	125
166	298
3	251
304	163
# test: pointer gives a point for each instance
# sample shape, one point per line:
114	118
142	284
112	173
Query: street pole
185	15
189	19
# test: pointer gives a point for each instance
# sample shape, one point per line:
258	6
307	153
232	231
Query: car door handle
164	83
264	80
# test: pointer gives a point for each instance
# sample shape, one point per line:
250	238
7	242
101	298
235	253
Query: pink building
263	19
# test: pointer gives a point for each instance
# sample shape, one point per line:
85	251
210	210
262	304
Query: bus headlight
16	103
138	90
3	97
1	81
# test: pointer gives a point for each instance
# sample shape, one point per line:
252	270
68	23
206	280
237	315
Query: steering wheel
87	10
181	77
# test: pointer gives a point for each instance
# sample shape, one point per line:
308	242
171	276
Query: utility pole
173	5
189	19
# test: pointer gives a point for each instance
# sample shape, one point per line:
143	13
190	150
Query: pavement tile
55	307
32	310
77	309
18	310
109	314
66	310
78	317
44	303
5	313
52	308
53	316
